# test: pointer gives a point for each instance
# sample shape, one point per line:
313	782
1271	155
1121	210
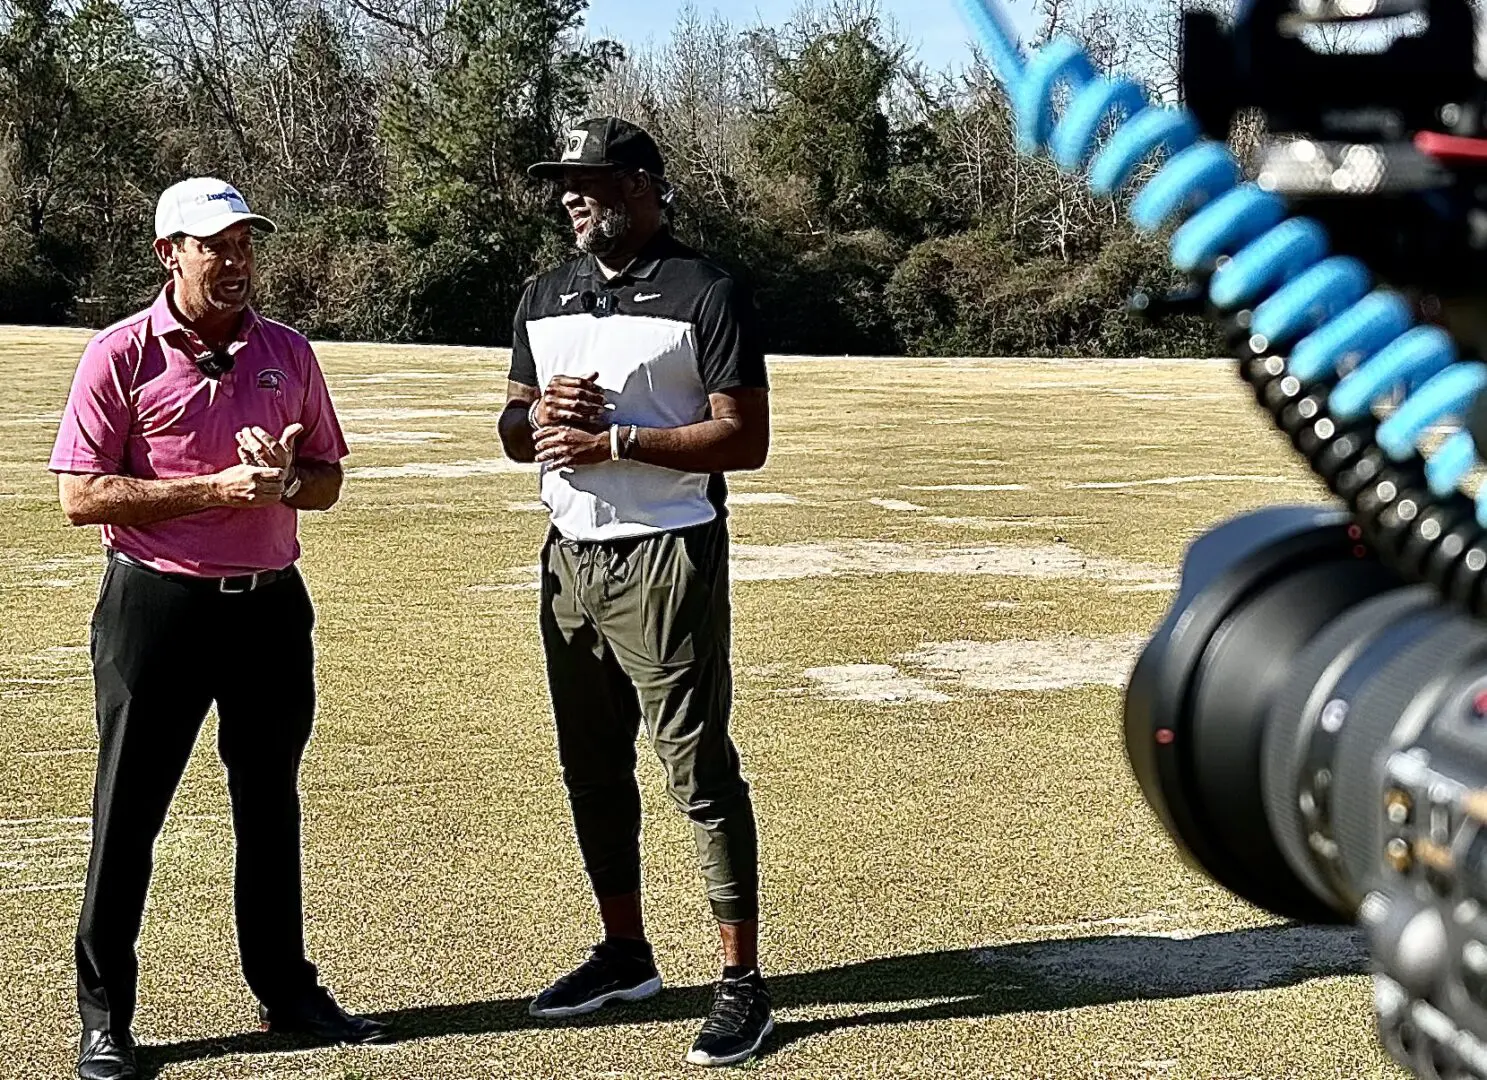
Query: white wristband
532	414
614	442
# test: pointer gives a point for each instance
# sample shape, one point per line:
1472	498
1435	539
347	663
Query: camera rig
1309	722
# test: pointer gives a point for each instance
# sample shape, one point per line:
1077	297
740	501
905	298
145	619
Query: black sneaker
609	974
740	1021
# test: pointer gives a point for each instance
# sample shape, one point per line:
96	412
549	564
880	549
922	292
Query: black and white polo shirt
663	335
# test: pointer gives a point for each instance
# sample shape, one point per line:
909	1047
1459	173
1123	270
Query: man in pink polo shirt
194	433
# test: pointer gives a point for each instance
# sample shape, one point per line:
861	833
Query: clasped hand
572	423
264	468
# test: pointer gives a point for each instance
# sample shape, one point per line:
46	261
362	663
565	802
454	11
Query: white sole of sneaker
649	988
696	1057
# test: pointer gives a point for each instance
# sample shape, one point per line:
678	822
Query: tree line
875	206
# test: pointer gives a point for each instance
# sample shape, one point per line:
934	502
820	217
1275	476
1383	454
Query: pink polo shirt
139	407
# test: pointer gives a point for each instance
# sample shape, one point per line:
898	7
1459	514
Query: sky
936	29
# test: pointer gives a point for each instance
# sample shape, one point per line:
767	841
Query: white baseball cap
203	206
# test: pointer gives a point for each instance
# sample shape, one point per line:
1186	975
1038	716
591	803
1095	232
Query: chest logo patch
272	380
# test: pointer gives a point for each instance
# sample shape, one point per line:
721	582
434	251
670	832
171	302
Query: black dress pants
163	650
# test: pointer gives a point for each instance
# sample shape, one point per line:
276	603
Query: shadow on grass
1039	976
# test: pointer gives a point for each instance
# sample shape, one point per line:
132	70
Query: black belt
243	583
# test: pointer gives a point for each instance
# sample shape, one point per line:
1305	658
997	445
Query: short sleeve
523	363
322	440
730	347
98	415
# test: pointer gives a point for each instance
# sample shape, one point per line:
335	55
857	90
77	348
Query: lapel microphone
597	303
217	364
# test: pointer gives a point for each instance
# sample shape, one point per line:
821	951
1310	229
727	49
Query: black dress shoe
102	1055
318	1016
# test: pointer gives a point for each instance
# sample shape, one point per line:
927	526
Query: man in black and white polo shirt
638	380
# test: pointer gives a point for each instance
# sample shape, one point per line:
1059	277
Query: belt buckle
252	584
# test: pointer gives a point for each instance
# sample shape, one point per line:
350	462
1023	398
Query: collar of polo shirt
641	268
164	321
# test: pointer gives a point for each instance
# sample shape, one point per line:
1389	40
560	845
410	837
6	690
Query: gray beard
606	232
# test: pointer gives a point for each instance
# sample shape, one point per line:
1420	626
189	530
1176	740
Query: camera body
1387	149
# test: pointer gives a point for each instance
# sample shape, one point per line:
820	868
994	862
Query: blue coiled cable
1320	345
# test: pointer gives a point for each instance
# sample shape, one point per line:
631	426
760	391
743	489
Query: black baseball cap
604	142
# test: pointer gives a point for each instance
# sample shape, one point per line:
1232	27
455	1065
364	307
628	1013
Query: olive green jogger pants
640	629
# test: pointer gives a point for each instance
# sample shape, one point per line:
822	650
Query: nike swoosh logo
642	297
567	296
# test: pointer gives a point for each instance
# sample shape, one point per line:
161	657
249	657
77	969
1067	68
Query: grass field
942	577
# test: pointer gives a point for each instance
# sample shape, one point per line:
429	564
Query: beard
606	231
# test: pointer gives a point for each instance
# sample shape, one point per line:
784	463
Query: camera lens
1255	593
1301	773
1312	731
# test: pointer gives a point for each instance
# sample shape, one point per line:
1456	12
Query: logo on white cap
203	206
230	197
